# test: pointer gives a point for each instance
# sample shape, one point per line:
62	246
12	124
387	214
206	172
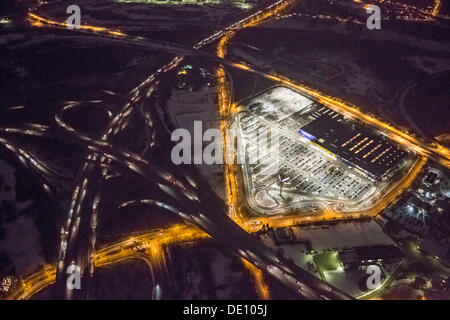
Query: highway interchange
78	233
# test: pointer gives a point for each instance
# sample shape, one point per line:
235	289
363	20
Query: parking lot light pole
282	181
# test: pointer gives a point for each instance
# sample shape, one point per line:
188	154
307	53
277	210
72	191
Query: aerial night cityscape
226	150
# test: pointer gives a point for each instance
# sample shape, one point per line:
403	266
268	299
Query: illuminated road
34	283
439	152
265	253
146	247
213	221
261	288
434	150
252	224
227	110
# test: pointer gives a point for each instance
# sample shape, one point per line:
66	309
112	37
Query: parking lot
275	149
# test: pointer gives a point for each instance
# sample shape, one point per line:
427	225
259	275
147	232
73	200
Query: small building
369	255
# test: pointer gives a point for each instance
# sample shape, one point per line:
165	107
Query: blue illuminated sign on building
306	135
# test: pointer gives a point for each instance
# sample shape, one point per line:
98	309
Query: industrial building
343	139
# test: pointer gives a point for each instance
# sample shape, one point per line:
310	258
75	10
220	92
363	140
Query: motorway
146	247
433	150
213	222
75	207
222	228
